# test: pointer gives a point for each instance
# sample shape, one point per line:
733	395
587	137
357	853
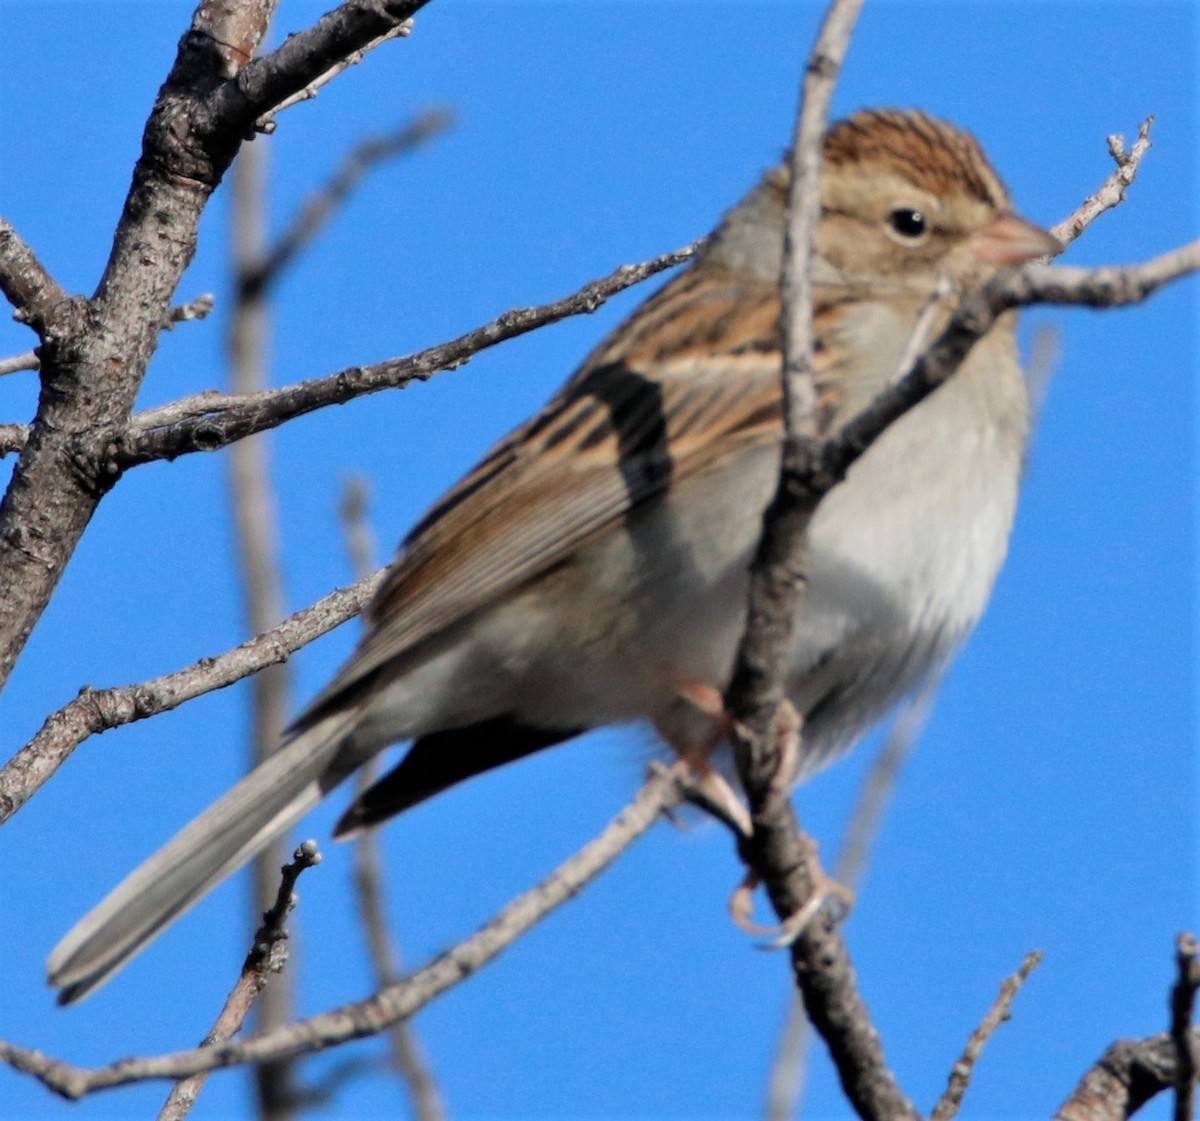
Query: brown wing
609	442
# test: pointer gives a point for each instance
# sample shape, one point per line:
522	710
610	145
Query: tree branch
266	123
307	59
785	1081
34	294
97	710
19	362
267	956
13	438
950	1102
776	852
1124	1078
209	421
1112	190
660	793
1183	1002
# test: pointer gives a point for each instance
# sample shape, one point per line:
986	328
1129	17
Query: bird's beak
1010	240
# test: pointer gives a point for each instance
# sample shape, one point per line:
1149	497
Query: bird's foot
825	889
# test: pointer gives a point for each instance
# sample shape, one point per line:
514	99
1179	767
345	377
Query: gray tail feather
264	805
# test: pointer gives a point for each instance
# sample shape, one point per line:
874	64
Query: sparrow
593	568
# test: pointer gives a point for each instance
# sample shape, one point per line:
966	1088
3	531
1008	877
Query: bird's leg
824	886
705	786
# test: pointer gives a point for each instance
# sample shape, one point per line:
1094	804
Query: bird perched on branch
593	568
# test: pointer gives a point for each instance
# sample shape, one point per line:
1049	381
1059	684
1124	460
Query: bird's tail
266	803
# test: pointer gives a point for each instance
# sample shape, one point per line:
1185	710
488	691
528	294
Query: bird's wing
612	440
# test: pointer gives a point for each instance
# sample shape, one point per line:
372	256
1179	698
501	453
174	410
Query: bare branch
1112	190
1183	1003
309	58
34	294
268	955
660	793
1125	1078
960	1077
316	212
199	308
13	438
211	420
97	710
19	362
266	123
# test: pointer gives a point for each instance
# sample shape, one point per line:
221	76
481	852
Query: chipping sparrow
593	568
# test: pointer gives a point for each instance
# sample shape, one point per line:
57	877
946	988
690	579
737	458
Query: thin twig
312	217
407	1056
268	955
266	122
35	295
97	710
19	362
659	794
199	308
1112	190
948	1104
209	420
13	438
1183	1003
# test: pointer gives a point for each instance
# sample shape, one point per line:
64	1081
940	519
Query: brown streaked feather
612	440
929	153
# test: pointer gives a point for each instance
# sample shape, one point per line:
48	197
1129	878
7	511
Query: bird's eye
910	224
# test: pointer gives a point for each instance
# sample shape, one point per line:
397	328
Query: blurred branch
97	710
199	308
256	548
19	362
317	211
1045	353
1112	190
1125	1078
407	1056
785	1081
659	794
208	421
950	1102
268	955
1183	1003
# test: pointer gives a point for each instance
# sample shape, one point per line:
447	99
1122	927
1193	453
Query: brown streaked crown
931	154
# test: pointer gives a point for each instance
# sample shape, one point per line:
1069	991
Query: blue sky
1052	801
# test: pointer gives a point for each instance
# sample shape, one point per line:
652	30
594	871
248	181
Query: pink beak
1010	240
